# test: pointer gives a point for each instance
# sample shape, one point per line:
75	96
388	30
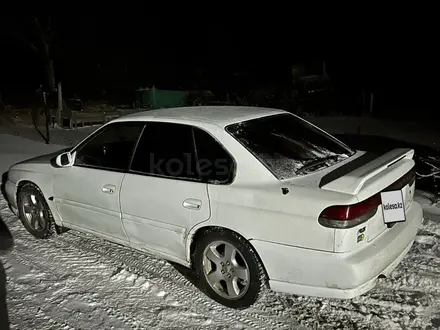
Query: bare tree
36	35
44	36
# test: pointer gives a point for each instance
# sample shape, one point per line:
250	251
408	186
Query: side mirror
66	159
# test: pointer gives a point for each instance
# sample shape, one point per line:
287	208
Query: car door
87	194
162	196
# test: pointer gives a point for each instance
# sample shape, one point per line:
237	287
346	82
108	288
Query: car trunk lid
366	180
376	173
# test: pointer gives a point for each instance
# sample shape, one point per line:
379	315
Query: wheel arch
45	191
20	184
196	233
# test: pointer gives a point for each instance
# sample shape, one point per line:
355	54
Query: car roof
217	115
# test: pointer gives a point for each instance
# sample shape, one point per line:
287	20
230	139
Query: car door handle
109	189
192	204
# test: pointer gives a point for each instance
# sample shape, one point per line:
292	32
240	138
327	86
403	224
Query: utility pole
60	105
47	115
371	102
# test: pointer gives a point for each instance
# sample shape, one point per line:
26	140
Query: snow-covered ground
75	281
57	135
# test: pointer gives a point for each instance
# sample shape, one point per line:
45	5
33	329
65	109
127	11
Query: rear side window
215	165
167	150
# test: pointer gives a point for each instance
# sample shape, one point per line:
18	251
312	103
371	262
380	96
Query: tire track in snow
77	275
29	318
125	290
23	296
364	312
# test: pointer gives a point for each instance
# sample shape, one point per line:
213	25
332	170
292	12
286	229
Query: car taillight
347	216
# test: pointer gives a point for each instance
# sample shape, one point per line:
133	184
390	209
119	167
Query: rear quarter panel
265	213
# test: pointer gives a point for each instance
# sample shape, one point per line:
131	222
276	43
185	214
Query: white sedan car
245	196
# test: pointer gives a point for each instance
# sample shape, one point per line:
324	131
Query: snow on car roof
217	115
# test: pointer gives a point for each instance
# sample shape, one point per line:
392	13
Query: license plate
393	207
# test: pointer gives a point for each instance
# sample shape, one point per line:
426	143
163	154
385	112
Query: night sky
122	53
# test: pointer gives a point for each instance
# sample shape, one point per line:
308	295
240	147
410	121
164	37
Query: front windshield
287	145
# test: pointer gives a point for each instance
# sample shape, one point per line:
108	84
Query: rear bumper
338	275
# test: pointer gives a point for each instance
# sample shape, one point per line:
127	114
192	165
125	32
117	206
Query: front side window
167	150
287	145
111	148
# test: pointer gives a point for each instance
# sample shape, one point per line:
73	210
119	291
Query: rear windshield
287	145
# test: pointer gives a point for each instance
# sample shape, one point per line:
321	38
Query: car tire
232	279
34	213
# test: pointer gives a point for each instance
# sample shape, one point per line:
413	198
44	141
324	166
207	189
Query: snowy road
75	281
